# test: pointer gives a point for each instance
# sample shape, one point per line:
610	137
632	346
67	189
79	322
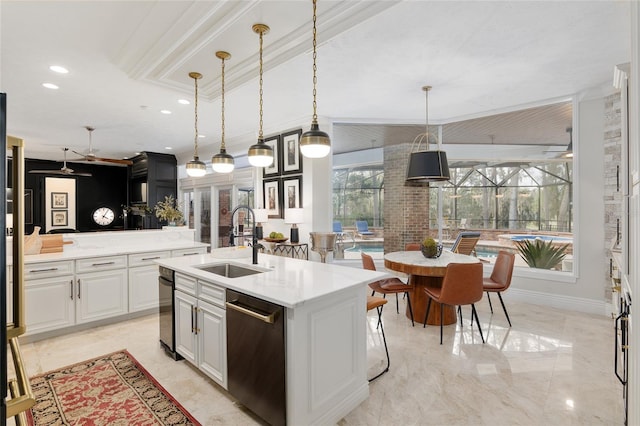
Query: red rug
113	389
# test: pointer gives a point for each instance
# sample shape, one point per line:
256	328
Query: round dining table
424	272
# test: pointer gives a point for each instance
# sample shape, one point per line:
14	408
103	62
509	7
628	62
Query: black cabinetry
151	177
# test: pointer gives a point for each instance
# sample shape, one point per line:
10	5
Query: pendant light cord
315	67
195	139
260	136
222	147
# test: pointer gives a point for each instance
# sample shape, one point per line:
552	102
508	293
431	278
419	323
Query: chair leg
460	314
397	308
441	319
489	299
475	314
426	313
379	317
386	349
504	309
410	310
373	292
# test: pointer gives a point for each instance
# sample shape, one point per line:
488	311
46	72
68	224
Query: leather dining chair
377	303
500	278
461	285
388	286
412	247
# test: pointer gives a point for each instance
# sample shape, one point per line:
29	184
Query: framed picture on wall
291	156
59	200
291	192
59	218
272	198
274	168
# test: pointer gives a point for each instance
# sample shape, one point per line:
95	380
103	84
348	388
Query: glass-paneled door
202	216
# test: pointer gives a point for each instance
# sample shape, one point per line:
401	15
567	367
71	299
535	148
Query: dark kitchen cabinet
151	177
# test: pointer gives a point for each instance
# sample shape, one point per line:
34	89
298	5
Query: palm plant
541	254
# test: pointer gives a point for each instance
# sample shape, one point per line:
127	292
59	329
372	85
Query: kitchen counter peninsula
324	309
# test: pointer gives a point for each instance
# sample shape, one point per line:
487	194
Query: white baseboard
559	301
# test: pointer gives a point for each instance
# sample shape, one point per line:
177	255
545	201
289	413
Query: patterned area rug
113	389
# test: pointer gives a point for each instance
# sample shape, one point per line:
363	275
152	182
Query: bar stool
374	302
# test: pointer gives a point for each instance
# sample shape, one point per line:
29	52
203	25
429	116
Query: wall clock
103	216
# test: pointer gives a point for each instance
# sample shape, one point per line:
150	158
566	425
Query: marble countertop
100	244
287	282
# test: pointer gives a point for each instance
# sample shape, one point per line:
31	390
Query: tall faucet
254	239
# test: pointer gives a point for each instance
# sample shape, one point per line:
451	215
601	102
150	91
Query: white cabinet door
212	342
101	295
49	303
185	306
143	288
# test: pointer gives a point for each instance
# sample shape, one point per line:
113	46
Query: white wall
586	292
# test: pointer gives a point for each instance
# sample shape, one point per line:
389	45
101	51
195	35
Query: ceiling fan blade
63	172
112	160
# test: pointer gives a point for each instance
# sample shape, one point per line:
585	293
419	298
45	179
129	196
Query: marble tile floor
552	367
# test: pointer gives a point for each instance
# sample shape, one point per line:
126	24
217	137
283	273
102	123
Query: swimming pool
522	237
378	247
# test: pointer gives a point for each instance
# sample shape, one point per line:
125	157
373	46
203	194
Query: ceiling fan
63	171
91	156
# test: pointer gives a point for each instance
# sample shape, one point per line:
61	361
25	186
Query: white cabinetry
143	280
49	294
102	288
201	329
188	251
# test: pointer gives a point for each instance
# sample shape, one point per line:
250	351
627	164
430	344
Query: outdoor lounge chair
362	229
465	243
337	229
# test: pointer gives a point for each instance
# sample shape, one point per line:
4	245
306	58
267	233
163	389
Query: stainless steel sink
229	270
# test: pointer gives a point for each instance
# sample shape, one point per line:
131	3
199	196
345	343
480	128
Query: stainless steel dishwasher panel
256	355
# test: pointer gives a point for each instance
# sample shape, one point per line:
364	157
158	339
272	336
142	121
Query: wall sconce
262	215
294	216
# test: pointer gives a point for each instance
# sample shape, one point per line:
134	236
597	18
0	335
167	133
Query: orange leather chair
461	285
500	278
377	303
389	285
412	247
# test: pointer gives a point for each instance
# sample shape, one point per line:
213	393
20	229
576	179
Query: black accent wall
106	187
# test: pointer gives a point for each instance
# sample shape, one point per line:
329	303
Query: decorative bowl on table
275	240
431	252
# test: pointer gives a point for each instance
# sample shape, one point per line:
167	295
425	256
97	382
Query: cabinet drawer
188	251
186	284
211	293
144	259
48	269
94	264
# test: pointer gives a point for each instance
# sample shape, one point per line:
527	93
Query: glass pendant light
222	162
315	143
260	154
195	167
425	165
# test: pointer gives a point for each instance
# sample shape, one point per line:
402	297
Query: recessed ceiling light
59	69
183	101
167	147
165	111
50	86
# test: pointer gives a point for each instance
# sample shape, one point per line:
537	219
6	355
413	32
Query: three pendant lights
314	143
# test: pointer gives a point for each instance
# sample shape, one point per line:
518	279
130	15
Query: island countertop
287	282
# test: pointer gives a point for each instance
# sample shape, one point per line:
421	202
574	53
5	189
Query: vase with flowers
168	210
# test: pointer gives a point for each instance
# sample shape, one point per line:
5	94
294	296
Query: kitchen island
324	309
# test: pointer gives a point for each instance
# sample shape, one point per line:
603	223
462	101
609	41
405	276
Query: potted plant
541	254
430	248
168	210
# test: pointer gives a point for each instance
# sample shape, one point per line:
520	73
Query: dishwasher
256	355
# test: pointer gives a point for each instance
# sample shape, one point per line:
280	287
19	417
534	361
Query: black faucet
254	239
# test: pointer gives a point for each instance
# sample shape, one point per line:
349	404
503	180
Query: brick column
406	208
